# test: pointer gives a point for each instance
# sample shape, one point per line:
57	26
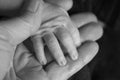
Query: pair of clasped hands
62	44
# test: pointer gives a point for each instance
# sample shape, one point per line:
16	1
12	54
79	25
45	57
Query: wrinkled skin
29	68
32	22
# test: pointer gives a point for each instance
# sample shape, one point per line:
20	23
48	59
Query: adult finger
86	53
83	18
91	31
55	48
67	41
39	49
65	4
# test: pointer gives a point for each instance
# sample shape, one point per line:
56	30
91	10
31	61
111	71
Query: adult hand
11	36
26	67
16	30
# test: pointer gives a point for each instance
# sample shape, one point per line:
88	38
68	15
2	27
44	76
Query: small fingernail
43	62
63	62
75	56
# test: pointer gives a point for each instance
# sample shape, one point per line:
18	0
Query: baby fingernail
43	62
75	57
63	62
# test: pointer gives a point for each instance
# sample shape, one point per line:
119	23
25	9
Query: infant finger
39	49
74	33
66	40
48	55
55	48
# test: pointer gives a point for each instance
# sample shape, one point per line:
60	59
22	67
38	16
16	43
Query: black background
106	65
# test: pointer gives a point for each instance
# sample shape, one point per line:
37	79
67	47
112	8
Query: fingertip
62	62
41	58
74	56
91	49
39	49
55	49
94	50
43	61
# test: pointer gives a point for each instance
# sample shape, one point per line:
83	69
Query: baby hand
60	35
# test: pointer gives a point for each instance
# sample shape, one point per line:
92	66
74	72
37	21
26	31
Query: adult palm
31	70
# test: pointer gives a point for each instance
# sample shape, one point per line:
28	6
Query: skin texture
68	36
27	67
37	8
52	71
10	38
32	21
